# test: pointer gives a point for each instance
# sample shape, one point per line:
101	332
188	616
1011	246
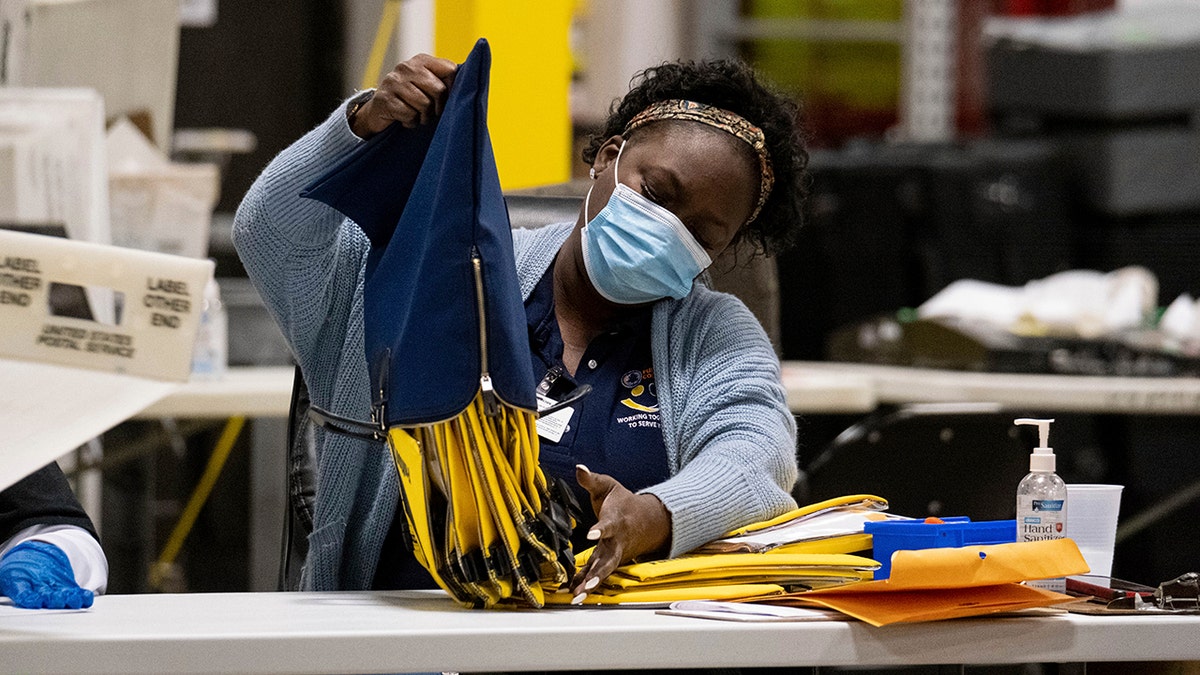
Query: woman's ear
606	155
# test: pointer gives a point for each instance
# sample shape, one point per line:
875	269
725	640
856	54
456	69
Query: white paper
49	410
552	427
748	611
65	380
1181	321
817	526
1086	303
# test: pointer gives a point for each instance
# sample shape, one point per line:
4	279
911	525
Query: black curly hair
731	85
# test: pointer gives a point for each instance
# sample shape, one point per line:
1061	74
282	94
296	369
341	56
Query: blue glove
38	575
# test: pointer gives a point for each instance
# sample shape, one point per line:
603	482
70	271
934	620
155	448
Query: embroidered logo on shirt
643	396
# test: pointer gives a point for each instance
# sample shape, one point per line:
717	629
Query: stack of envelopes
808	548
948	583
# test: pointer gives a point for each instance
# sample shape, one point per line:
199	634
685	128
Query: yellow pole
529	109
383	35
216	461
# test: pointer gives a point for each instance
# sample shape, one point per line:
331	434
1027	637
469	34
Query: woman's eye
651	194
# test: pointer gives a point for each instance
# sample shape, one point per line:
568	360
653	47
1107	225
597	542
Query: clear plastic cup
1092	512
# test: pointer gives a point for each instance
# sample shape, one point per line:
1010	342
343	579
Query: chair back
926	460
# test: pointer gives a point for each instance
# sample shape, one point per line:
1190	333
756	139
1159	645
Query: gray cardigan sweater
729	436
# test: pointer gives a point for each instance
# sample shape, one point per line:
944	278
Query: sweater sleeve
733	436
304	257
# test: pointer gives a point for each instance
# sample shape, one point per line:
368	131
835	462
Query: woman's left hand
627	526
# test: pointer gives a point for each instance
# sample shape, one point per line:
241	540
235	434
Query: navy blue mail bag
429	200
448	353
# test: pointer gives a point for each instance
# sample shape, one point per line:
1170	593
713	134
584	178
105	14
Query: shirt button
592	364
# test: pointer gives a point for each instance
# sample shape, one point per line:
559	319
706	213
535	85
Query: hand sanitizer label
1047	505
1040	519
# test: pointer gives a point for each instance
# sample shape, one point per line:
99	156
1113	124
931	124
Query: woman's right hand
413	93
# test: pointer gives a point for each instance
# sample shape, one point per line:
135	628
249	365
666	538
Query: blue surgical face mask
636	251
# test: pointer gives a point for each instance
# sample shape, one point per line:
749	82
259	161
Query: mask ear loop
592	174
617	164
586	205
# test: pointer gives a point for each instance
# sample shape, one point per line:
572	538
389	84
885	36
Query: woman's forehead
689	141
671	132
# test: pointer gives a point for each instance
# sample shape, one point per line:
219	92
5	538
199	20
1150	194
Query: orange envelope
947	583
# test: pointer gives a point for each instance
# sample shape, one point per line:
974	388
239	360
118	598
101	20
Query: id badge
552	427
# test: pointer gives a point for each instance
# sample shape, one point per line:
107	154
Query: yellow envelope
983	565
880	609
847	502
744	563
601	596
946	583
849	543
808	577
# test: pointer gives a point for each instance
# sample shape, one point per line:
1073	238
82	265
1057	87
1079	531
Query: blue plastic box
890	536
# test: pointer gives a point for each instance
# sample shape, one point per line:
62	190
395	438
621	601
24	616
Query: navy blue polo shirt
615	429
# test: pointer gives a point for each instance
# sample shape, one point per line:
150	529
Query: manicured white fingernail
591	583
585	469
578	600
593	534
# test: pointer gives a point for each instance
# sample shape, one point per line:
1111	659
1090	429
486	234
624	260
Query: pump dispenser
1042	499
1042	458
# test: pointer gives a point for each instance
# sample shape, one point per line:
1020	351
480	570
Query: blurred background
1001	141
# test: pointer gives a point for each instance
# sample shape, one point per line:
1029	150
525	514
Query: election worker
685	434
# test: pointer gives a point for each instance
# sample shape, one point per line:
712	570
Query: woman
686	430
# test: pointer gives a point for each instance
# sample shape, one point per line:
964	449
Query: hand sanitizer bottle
210	355
1042	500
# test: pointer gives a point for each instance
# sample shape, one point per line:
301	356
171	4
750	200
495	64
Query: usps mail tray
890	536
